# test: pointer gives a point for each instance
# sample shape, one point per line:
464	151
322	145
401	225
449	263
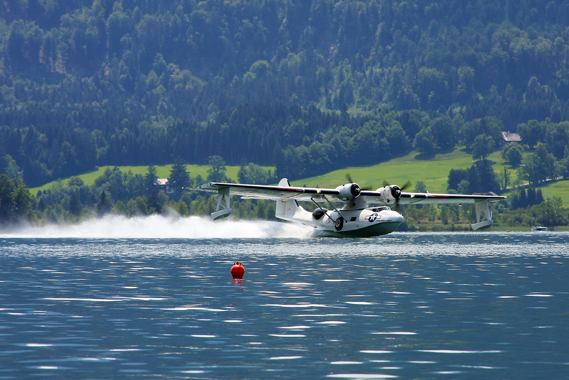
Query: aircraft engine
389	194
349	191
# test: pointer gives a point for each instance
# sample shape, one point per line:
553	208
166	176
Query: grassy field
162	172
557	189
433	172
552	189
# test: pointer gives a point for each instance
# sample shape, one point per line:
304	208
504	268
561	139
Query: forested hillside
306	85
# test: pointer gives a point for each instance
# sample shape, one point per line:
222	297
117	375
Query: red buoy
237	270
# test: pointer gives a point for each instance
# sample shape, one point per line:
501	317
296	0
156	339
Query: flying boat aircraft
355	218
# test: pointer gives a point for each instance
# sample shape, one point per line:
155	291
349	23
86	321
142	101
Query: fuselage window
318	213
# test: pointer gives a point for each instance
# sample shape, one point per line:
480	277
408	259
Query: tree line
135	195
302	141
308	85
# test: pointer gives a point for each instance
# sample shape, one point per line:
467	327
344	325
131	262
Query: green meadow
162	172
552	189
433	172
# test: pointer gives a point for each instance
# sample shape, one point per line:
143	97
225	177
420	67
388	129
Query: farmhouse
511	137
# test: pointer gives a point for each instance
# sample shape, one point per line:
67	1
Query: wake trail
158	226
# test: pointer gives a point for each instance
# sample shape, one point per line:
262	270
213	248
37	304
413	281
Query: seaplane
364	213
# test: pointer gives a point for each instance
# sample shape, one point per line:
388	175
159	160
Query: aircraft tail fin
286	208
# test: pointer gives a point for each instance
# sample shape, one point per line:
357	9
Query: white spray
158	226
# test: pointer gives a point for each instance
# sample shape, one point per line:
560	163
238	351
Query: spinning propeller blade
406	185
350	180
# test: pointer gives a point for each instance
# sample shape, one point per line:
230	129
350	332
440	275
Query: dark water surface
422	306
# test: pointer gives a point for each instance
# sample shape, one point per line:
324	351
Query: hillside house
511	137
162	185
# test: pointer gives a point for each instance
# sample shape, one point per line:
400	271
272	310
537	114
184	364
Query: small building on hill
162	185
511	137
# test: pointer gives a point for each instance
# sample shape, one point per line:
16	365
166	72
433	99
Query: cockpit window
378	209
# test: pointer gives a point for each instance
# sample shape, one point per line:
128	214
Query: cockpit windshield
378	209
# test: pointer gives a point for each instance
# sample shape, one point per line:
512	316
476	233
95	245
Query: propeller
350	180
396	191
356	189
406	185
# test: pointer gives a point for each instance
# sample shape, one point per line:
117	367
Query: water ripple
484	305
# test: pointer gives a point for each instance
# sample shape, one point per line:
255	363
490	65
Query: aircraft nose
394	216
400	218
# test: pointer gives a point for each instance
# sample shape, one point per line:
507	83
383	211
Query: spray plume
158	226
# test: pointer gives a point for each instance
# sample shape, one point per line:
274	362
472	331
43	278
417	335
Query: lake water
154	298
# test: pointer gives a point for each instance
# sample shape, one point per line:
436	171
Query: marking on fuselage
373	217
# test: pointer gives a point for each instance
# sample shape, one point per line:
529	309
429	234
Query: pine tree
150	179
531	196
104	205
539	197
523	199
179	179
216	172
75	204
153	202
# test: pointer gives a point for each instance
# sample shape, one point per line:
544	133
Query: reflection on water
421	306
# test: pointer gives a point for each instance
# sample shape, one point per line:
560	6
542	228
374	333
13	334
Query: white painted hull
355	223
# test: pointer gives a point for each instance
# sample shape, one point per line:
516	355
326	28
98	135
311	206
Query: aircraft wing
270	192
285	191
427	198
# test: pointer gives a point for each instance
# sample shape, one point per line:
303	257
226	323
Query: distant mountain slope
85	83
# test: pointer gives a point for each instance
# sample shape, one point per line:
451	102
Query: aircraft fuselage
365	222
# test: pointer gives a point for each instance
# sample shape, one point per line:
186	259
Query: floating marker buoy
237	270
